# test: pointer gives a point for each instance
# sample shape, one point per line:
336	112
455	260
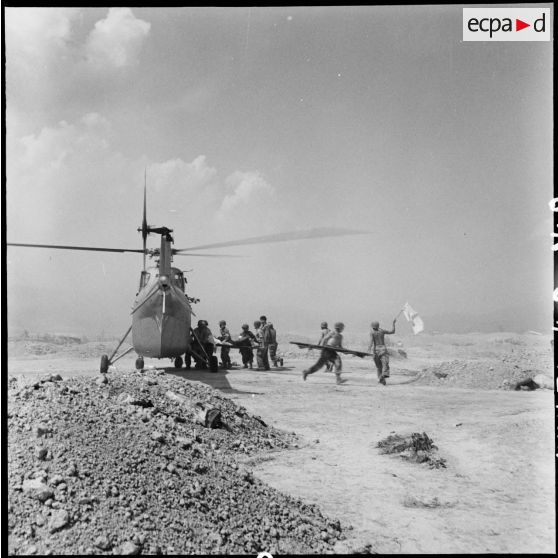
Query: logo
506	24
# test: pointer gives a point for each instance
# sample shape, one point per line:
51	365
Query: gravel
122	468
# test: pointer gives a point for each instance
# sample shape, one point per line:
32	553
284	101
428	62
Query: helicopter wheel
139	363
104	364
178	362
213	364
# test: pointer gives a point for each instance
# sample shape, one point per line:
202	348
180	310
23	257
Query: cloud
185	178
37	48
49	149
246	187
76	170
36	32
52	67
116	41
68	169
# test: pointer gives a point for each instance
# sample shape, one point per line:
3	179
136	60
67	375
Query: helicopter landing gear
139	363
107	361
213	364
178	362
104	364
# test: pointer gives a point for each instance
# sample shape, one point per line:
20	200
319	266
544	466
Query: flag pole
398	314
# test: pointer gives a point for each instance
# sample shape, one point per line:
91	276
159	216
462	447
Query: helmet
323	324
201	323
257	323
222	322
375	325
339	325
245	326
263	318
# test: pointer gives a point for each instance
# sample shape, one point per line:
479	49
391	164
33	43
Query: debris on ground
416	447
123	468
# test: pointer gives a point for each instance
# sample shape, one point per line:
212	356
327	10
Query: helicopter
162	310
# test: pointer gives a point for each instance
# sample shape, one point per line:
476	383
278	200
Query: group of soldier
263	340
331	340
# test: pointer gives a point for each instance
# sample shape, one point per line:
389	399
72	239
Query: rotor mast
144	228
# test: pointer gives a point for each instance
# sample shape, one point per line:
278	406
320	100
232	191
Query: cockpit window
178	279
145	275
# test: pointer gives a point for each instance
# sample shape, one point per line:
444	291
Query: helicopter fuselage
162	315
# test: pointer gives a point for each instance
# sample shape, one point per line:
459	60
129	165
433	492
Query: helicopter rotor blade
280	237
209	255
74	247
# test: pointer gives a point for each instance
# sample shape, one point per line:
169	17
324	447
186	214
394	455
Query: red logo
519	25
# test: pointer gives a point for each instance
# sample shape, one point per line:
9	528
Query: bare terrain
496	493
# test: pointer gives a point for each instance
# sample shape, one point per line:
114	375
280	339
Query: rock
102	542
41	453
158	437
41	430
72	470
129	549
37	489
185	443
58	520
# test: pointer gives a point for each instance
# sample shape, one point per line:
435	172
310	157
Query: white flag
416	321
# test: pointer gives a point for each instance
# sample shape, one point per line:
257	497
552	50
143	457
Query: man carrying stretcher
333	339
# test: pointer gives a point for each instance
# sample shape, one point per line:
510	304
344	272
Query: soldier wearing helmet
225	336
203	344
273	345
264	339
325	331
378	347
244	344
330	341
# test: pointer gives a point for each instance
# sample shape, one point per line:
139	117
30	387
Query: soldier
273	346
224	335
325	331
263	337
244	344
381	355
203	345
332	339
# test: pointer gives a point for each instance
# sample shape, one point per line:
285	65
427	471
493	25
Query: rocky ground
125	467
121	466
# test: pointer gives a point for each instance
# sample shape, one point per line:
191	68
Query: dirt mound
416	447
480	374
122	468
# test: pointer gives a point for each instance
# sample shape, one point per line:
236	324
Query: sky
255	121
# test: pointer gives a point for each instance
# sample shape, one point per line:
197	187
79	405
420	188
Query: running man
331	340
